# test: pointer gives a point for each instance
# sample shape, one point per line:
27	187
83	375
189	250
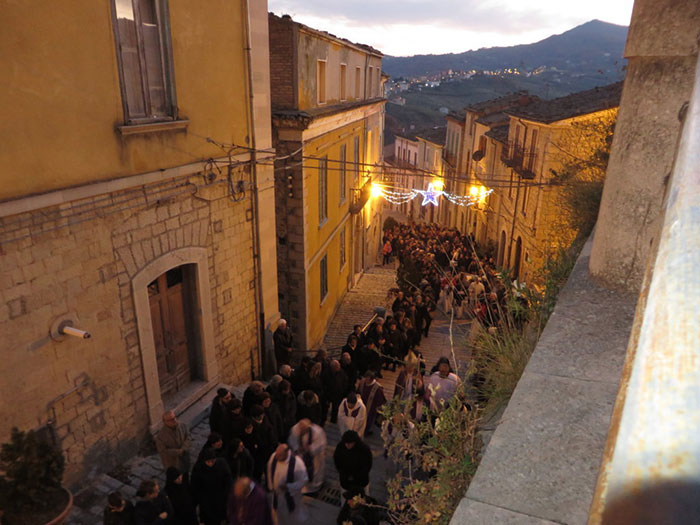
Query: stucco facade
328	122
125	229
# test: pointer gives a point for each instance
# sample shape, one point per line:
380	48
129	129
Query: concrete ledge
542	462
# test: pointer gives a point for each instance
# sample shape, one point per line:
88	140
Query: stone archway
203	317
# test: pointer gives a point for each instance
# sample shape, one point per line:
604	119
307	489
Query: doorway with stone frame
173	306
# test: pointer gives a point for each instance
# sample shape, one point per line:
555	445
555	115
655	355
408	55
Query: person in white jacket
309	442
352	415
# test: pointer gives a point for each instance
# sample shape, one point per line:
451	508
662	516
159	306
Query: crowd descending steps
357	308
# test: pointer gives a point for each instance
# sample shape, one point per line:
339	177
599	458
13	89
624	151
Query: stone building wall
289	213
80	258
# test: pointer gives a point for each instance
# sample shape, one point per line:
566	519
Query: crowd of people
268	449
447	267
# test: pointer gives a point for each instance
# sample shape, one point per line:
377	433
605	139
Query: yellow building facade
328	121
132	207
519	159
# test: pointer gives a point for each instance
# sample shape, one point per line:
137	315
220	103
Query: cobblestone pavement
358	307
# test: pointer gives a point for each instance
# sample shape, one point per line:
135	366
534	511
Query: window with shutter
143	49
343	182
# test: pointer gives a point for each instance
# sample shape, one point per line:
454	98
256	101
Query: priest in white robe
308	441
352	415
286	477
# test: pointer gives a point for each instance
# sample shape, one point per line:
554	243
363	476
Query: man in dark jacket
336	387
283	343
353	460
233	427
211	484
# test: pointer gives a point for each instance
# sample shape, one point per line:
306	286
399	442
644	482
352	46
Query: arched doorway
500	261
200	353
517	258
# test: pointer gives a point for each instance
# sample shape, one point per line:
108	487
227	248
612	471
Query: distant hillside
587	48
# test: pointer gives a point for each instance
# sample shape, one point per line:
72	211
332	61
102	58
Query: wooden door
170	331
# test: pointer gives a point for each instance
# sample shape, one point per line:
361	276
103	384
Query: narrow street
357	307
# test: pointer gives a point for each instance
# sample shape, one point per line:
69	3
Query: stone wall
80	258
662	51
289	213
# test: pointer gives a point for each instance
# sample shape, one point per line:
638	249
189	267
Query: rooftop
499	133
494	105
574	105
435	135
493	118
325	34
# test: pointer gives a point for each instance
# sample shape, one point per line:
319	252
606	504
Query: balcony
521	160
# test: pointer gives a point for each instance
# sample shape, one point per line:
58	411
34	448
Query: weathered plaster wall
662	49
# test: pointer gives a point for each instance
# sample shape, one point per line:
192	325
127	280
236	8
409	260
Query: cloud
403	27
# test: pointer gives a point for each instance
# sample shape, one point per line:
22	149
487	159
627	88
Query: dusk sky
409	27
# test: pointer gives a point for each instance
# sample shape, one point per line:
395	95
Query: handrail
651	465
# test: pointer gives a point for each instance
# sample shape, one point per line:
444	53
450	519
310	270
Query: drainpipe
250	116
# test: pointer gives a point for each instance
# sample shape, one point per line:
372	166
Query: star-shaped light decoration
430	195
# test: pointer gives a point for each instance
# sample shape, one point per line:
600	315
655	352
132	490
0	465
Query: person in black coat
273	416
347	363
309	407
240	461
219	410
233	427
252	396
153	506
336	388
286	402
118	511
284	343
180	496
351	345
211	484
216	443
353	460
266	439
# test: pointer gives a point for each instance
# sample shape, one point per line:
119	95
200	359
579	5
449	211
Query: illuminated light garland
430	196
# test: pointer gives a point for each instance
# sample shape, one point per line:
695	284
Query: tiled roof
435	135
574	105
493	118
499	133
501	103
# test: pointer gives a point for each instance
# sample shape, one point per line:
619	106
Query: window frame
321	101
343	82
162	12
342	245
322	190
343	192
358	82
323	274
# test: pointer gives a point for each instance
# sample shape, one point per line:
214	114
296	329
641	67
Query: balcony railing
652	456
521	159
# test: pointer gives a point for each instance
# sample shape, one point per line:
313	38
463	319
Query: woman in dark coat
211	484
240	460
180	495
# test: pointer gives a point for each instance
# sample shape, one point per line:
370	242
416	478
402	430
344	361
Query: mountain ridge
593	45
